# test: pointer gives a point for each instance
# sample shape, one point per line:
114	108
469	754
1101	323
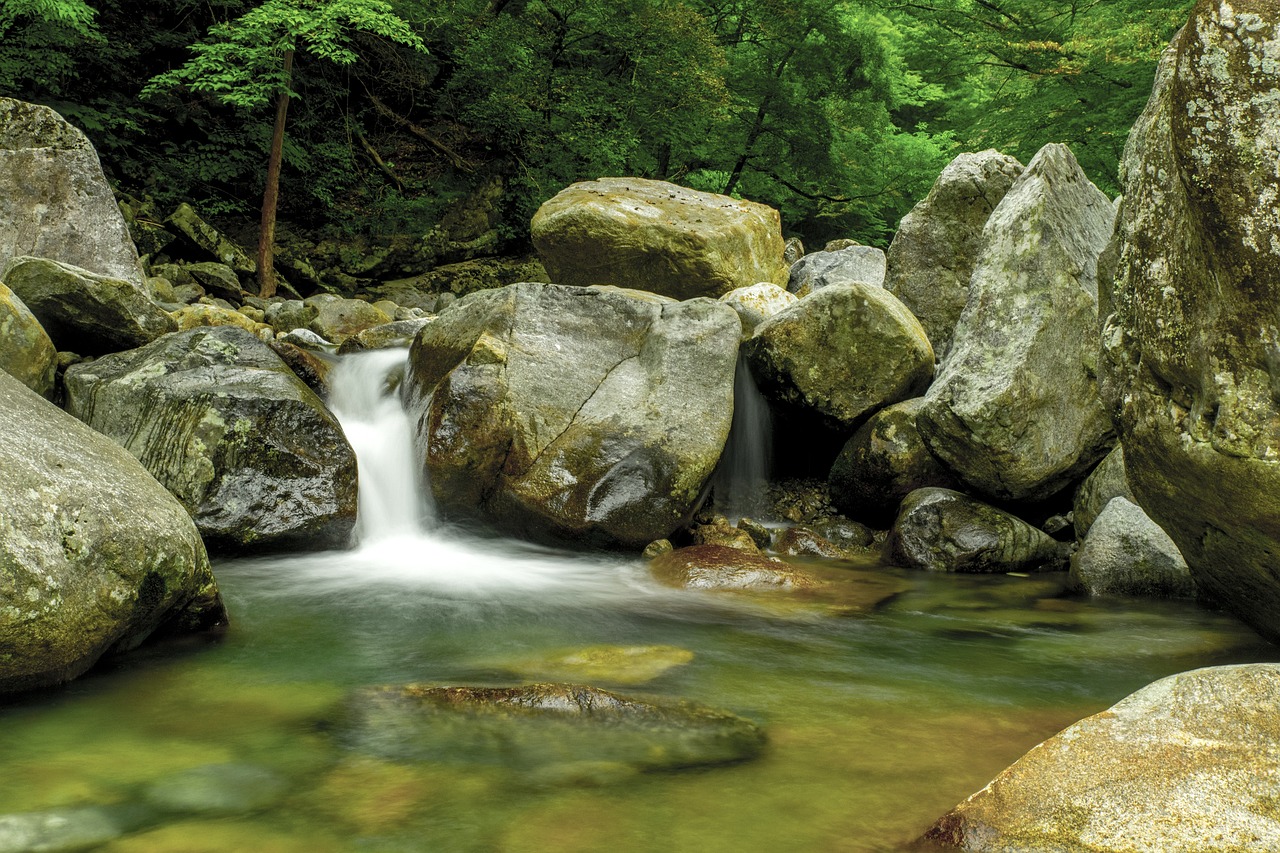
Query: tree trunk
271	196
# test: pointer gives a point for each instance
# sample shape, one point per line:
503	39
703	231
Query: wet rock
933	253
801	541
308	340
1105	482
338	319
578	413
1015	410
1190	352
26	353
95	555
223	423
1127	553
540	727
55	201
312	366
62	830
801	501
845	533
399	333
817	270
884	461
594	664
721	532
217	789
660	237
761	535
721	568
757	303
213	243
1186	763
657	548
85	312
941	530
841	353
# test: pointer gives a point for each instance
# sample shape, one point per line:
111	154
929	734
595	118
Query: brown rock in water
724	568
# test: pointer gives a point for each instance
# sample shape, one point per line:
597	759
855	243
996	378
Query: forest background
840	114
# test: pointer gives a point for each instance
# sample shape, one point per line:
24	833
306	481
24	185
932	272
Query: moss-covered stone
26	353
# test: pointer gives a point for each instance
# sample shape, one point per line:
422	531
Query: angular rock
222	422
1127	553
95	555
1187	763
399	333
1105	482
841	353
218	279
720	567
85	312
655	236
55	201
757	303
884	461
1015	410
217	246
932	256
575	413
720	532
338	319
817	270
1191	355
26	353
941	530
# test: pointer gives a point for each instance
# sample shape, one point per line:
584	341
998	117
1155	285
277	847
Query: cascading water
743	474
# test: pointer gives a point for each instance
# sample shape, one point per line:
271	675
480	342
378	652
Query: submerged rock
539	727
723	568
612	664
95	555
655	236
222	789
226	426
67	829
26	353
1187	763
1127	553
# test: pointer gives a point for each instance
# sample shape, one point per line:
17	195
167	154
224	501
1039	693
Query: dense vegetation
839	113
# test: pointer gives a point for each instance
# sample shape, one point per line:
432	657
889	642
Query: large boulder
226	426
817	270
95	555
655	236
590	414
85	312
841	353
1187	763
54	199
1126	553
933	254
1015	409
1192	352
26	352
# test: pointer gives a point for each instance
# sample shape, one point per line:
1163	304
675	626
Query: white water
743	474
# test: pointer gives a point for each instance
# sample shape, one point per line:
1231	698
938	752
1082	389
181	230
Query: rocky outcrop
841	353
1126	553
941	530
218	418
588	414
95	555
1187	763
1015	410
1105	482
817	270
84	312
1192	352
26	353
655	236
54	199
933	254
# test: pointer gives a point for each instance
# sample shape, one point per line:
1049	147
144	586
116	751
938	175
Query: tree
249	62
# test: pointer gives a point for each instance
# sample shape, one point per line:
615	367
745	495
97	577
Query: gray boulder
590	414
1015	410
54	199
660	237
1187	763
1191	354
26	353
226	426
933	254
95	555
85	312
1127	553
1105	482
941	530
817	270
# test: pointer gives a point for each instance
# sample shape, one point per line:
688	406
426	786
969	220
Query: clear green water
877	723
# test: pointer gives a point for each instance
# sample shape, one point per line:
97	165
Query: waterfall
743	474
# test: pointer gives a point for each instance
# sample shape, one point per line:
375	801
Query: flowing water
877	724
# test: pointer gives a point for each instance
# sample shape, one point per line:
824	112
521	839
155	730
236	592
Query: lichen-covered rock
1191	357
222	422
55	201
841	353
338	319
218	279
578	413
1187	763
937	244
290	314
884	461
757	303
1015	410
817	270
26	353
95	555
216	246
85	312
1105	482
651	235
398	333
945	531
720	532
199	314
1127	553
